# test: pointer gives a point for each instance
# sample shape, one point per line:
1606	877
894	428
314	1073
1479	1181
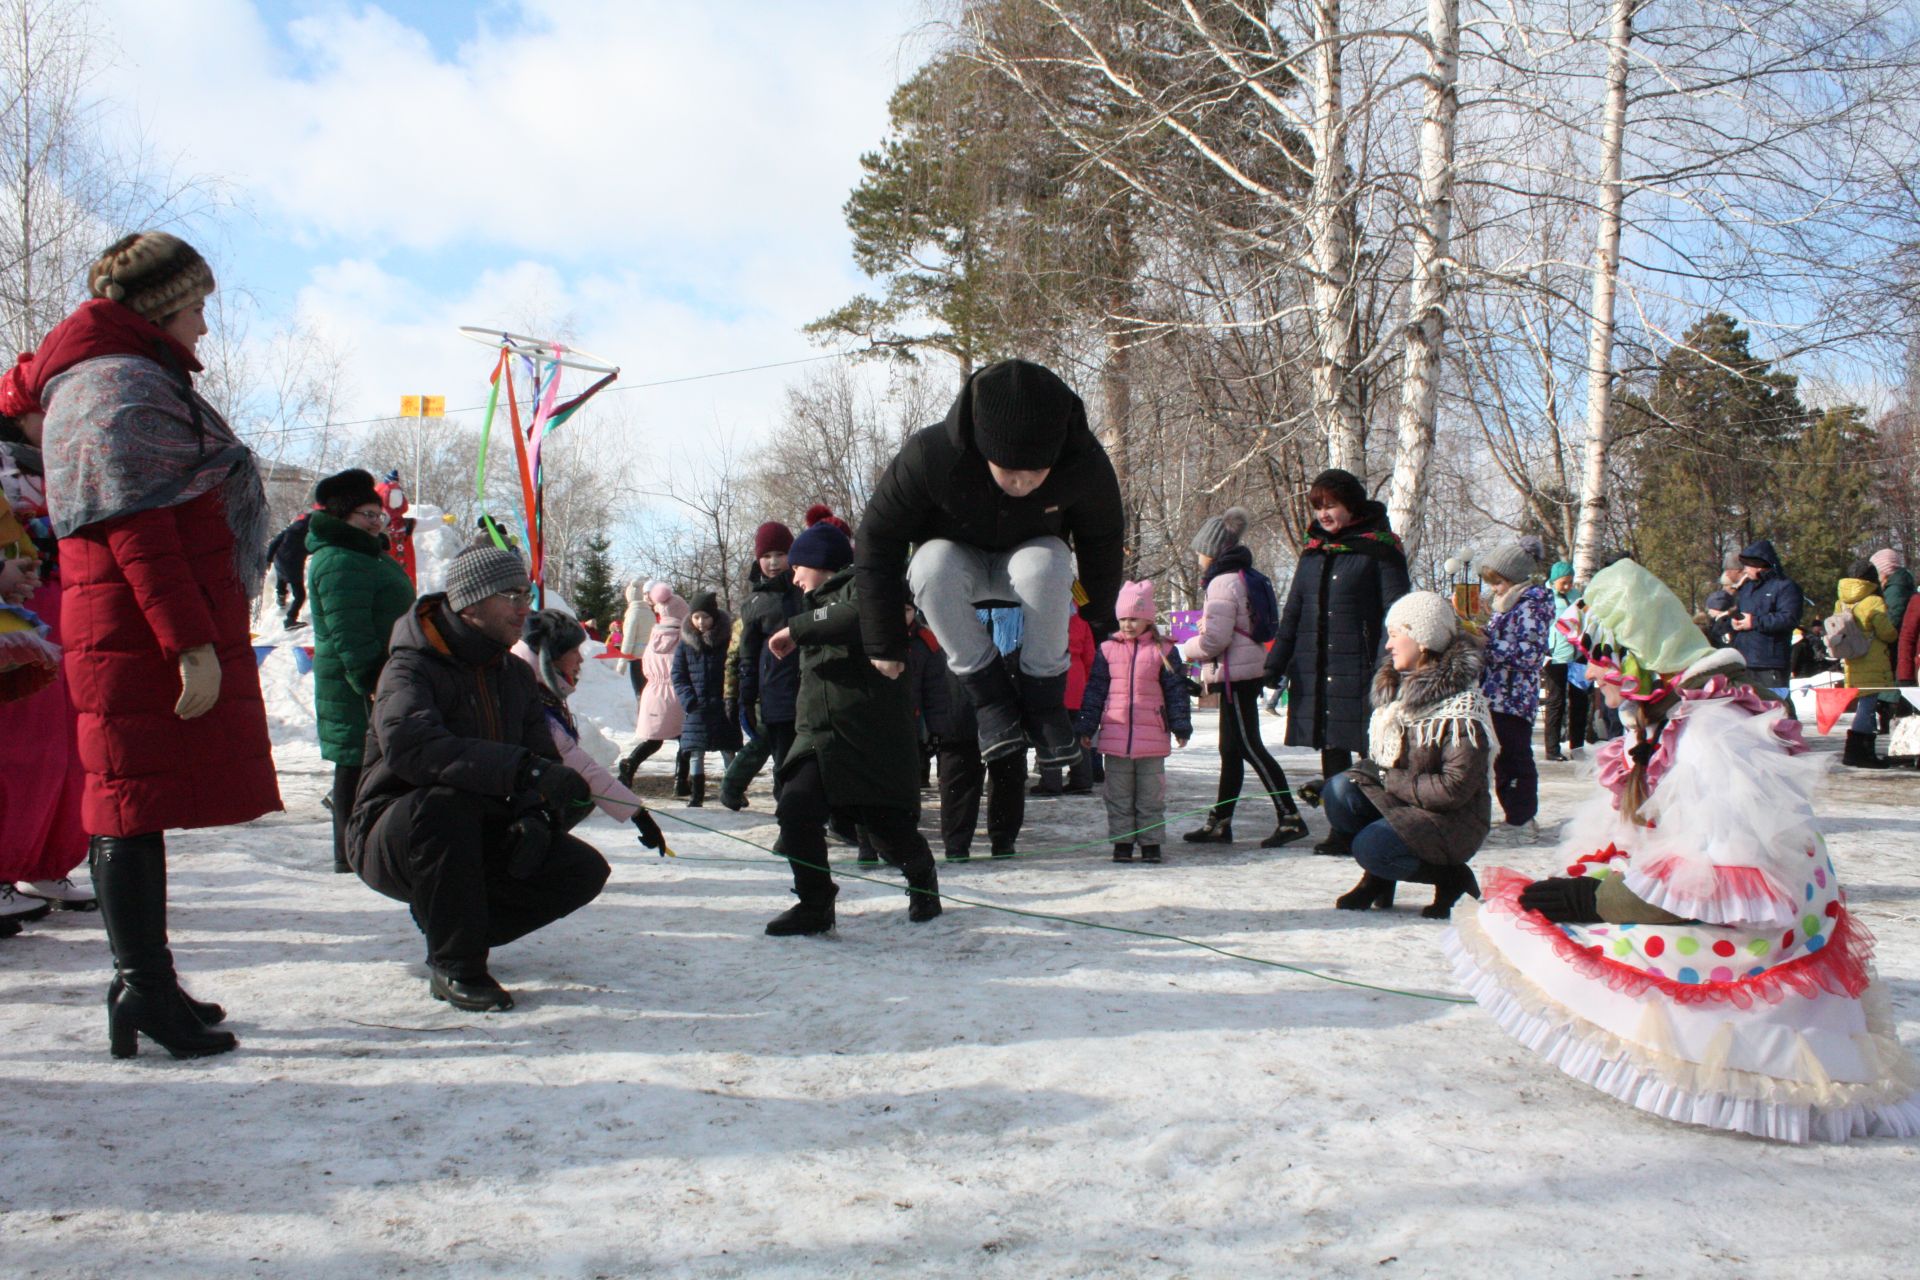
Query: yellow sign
409	406
423	406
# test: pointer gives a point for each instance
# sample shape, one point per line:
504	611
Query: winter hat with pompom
822	546
1136	601
1220	533
1426	617
152	273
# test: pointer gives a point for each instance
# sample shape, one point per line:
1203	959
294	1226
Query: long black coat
938	486
856	721
699	682
770	683
1332	630
452	709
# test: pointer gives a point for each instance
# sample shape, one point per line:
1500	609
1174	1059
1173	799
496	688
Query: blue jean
1866	714
1376	846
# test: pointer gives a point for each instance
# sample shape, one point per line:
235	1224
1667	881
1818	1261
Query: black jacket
772	684
856	721
452	709
926	679
1776	603
1332	630
288	550
938	486
699	682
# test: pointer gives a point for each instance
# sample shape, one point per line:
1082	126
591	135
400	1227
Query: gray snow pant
949	579
1136	796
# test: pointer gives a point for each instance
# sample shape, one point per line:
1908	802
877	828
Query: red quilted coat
140	591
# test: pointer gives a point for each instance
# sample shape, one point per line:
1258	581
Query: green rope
1050	916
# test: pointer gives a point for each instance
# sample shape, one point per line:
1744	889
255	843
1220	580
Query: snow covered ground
986	1095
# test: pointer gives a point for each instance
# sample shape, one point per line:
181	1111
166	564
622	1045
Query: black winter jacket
288	550
926	680
1332	630
699	682
857	722
1776	603
938	486
770	683
452	709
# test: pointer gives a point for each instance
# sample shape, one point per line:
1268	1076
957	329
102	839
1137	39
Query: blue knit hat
821	546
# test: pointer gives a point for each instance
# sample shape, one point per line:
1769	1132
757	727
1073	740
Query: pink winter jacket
1133	718
660	713
1225	642
614	800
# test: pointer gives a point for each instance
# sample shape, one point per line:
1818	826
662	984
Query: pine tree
595	593
1826	512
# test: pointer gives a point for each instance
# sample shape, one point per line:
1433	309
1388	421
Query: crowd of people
977	616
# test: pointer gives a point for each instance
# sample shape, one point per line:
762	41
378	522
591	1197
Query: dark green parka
356	592
857	721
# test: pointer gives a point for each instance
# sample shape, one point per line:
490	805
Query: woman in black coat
699	682
1332	627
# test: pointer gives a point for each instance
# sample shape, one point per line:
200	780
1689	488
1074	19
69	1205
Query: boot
682	786
1149	853
1449	883
130	877
1291	827
629	765
868	856
996	708
1122	851
477	994
1218	829
209	1013
1338	844
1043	707
697	787
805	918
923	895
1859	752
1372	891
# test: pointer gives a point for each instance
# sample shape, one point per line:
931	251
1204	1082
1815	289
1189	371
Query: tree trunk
1336	401
1432	248
1606	275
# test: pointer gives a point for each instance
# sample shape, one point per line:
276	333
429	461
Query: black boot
1043	706
1149	853
996	708
1122	851
1290	827
1338	844
629	765
1218	829
1372	891
923	894
130	879
1859	752
869	856
476	994
697	787
810	915
1449	883
682	786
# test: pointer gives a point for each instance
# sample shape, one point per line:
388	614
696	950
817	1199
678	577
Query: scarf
1395	727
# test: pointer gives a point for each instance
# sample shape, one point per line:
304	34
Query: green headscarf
1635	611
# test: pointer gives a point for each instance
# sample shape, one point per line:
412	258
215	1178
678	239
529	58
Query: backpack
1263	607
1845	640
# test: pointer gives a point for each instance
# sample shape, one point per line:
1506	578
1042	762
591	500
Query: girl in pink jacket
1134	699
660	715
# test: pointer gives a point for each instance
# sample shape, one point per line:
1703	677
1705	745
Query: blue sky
662	179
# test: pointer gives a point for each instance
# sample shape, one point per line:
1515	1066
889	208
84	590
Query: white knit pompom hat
1428	618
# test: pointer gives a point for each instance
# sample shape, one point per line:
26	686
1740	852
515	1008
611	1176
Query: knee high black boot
682	786
130	878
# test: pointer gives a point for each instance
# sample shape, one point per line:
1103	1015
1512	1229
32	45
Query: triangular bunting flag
1830	704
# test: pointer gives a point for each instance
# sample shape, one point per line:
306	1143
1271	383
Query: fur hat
1342	486
344	491
1136	601
552	634
822	546
1428	618
1219	533
1021	414
706	602
1886	560
152	273
772	536
479	572
1514	562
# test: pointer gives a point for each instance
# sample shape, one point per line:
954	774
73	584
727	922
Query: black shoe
923	895
730	801
960	857
996	709
476	995
1337	845
341	867
1042	789
867	857
1122	852
8	927
1149	853
804	919
1554	757
130	877
1085	789
1291	827
1449	884
1859	752
1008	852
1043	708
1216	830
1372	891
209	1013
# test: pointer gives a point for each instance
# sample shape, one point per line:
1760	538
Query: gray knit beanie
479	572
1514	562
1220	533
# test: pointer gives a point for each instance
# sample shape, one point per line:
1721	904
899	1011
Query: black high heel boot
1450	884
1372	891
130	878
682	784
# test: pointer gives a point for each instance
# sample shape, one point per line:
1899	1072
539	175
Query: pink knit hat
1886	560
1136	601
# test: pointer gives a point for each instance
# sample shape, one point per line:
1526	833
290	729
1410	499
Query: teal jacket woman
356	592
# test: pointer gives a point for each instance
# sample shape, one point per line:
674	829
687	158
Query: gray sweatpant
949	579
1136	796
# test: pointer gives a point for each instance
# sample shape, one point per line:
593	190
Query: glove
1308	793
527	841
650	831
199	682
559	788
1273	679
1564	899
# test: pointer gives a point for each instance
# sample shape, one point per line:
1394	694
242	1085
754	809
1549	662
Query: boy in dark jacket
767	686
288	553
854	750
990	498
464	804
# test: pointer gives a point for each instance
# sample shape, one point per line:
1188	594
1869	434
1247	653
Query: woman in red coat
162	522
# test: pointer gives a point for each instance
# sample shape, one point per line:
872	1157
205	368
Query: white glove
199	682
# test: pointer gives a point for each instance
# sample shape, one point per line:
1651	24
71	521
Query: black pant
298	586
1516	779
1334	761
1566	709
962	777
1771	678
444	853
346	781
1239	743
804	810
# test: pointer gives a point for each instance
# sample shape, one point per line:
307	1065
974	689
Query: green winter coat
857	721
1897	591
355	593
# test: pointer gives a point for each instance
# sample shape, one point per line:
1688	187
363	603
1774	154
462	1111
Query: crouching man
464	805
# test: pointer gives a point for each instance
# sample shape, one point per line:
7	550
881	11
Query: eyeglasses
519	598
369	513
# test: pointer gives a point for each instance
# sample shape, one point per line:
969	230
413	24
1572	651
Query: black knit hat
1021	414
552	634
1342	486
343	491
821	547
706	602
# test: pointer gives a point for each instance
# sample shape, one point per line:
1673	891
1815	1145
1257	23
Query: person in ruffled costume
1698	961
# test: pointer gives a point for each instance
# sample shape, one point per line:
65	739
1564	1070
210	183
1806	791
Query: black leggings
1239	743
346	781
